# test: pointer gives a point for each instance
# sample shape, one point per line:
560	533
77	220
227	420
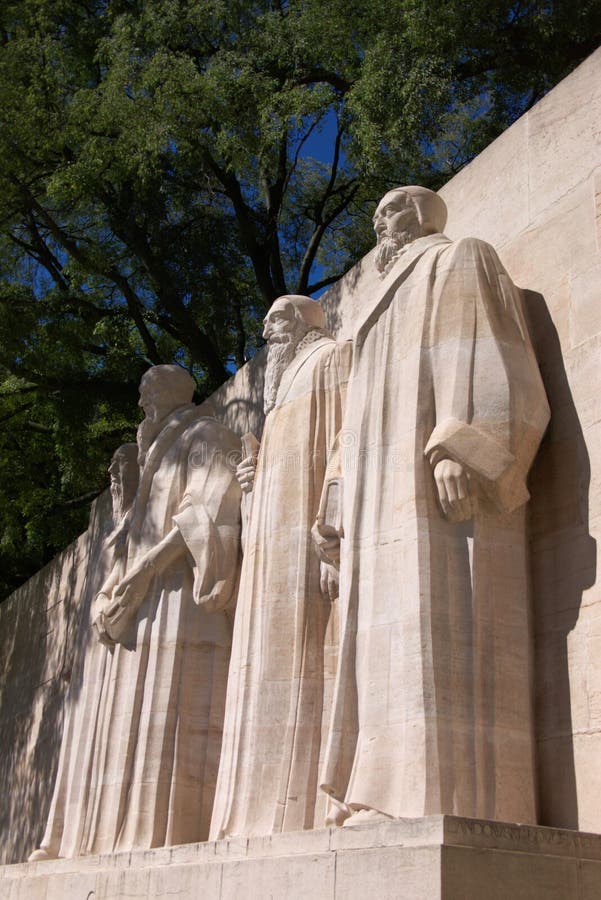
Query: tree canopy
169	167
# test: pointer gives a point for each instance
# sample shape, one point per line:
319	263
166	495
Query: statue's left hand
454	490
132	589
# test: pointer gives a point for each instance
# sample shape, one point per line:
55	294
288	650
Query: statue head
403	215
290	316
123	472
289	319
163	389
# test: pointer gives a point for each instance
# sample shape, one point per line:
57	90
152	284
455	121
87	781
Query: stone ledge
432	858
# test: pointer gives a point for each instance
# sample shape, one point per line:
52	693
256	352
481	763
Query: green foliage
159	188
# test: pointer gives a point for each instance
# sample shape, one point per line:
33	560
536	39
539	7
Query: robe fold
141	747
433	699
272	732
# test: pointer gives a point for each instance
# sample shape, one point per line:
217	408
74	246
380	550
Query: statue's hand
327	543
116	613
245	473
132	589
329	581
102	603
330	549
454	490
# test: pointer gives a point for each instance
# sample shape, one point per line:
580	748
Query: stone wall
535	194
44	634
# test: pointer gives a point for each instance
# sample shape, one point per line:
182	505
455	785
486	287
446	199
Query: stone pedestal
434	858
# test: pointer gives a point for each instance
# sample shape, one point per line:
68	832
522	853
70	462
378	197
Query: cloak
141	747
272	732
433	699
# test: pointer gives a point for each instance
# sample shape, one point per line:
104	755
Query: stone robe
272	733
141	747
433	701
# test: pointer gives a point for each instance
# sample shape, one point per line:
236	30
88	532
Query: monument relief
272	732
403	501
140	769
359	617
444	415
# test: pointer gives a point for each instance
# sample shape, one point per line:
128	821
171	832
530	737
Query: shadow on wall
45	635
563	556
239	402
332	299
40	652
31	700
344	301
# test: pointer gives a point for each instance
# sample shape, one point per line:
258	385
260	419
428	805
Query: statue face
123	471
120	469
154	395
395	215
280	321
114	470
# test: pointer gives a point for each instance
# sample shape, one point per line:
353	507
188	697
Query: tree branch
134	305
319	76
16	412
257	253
41	254
325	282
275	197
324	221
78	502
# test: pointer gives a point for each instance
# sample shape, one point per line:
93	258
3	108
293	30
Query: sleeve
328	523
490	405
208	516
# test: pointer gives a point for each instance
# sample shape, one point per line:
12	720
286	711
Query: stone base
434	858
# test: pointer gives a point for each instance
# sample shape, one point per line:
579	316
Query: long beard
280	354
148	429
390	246
118	501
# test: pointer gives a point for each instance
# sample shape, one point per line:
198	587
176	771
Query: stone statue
272	732
143	771
444	415
70	788
124	475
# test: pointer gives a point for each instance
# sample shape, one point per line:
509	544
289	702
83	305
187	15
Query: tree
160	187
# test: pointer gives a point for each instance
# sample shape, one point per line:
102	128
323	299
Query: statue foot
365	816
40	854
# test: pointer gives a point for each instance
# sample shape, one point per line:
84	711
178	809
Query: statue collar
402	266
304	351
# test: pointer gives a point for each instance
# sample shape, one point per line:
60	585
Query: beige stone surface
239	402
444	414
268	775
39	651
143	731
535	196
554	252
442	857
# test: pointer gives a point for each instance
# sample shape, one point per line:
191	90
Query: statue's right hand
245	473
327	544
454	490
116	613
329	581
329	549
113	620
